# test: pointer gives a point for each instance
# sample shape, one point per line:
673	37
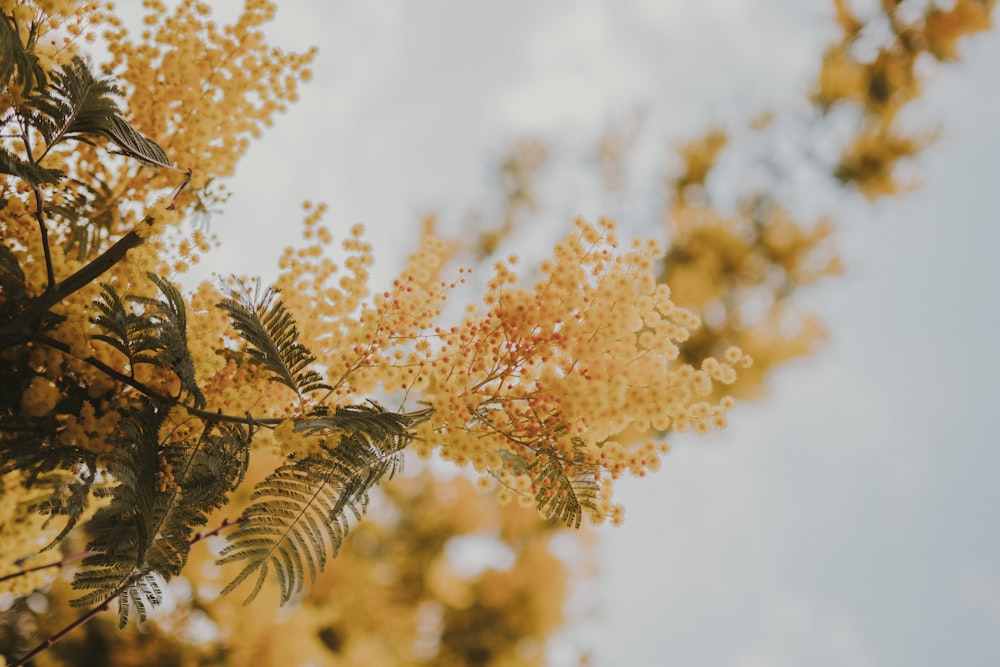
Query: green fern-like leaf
266	325
364	421
34	174
77	105
19	67
154	333
26	448
56	480
133	144
205	471
132	590
567	488
301	512
120	325
142	593
124	529
66	493
168	335
144	533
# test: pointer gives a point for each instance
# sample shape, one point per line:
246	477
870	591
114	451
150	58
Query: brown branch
59	563
39	207
226	523
101	366
50	273
22	326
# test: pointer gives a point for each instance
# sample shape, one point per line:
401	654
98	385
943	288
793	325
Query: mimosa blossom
551	372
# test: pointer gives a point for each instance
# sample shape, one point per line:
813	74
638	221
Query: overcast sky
850	519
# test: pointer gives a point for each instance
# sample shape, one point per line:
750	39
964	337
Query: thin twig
39	210
226	523
50	273
59	563
197	537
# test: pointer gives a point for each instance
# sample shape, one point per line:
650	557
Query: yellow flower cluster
558	370
759	255
40	398
87	430
204	90
555	371
364	345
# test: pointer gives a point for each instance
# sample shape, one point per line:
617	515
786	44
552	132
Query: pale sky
850	518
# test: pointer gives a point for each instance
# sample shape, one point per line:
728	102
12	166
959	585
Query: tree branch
37	568
22	326
226	523
50	274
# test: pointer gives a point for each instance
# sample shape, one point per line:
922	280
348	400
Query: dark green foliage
12	289
575	483
26	448
567	486
79	106
65	493
151	331
367	421
304	506
205	471
164	491
12	165
133	144
264	322
60	479
125	529
60	476
19	66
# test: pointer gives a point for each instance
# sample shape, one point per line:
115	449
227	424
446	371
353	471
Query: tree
134	412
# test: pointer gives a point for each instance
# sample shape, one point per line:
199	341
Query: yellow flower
40	398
